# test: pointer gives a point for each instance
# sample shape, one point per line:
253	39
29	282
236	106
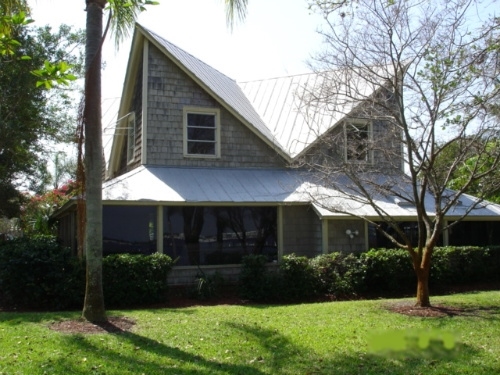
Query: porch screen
129	229
218	235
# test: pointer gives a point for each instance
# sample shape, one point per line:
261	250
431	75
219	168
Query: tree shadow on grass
269	352
150	357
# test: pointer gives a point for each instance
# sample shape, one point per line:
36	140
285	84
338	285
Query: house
203	168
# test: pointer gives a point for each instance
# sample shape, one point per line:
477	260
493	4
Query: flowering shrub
36	213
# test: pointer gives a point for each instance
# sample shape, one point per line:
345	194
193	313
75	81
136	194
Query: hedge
378	272
37	273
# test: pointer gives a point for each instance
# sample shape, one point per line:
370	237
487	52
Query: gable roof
223	88
277	109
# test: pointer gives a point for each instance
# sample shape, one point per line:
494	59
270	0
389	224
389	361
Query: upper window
130	136
201	132
357	140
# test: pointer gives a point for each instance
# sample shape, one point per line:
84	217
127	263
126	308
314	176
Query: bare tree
410	78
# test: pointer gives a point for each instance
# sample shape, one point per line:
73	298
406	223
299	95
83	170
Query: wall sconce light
351	233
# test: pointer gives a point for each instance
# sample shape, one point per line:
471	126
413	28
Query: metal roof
170	185
206	185
300	109
289	112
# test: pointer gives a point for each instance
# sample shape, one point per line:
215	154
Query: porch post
324	236
159	229
367	237
446	234
280	233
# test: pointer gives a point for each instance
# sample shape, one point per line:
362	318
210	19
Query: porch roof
169	185
206	185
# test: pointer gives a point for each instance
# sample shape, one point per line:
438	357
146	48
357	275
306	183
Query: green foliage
53	73
299	278
36	273
135	279
256	282
36	213
8	23
340	275
465	265
388	271
31	118
207	286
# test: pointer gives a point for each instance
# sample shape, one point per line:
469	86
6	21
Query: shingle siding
169	91
301	231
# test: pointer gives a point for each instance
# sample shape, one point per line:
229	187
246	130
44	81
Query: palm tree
123	14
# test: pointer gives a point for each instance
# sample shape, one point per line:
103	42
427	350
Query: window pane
201	134
357	142
201	148
201	120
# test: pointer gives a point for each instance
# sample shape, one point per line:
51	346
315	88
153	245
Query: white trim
367	236
159	229
353	123
202	111
279	225
324	236
131	135
144	119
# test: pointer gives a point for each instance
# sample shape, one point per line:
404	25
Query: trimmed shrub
256	283
388	271
37	273
135	279
464	265
340	275
299	278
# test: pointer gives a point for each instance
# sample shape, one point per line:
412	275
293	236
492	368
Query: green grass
323	338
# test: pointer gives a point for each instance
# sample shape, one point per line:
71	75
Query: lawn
361	337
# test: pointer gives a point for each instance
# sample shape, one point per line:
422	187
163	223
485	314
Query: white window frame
369	153
131	132
202	111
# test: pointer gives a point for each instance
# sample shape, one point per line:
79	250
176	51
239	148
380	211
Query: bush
256	283
388	271
135	279
207	286
340	275
464	265
37	273
298	277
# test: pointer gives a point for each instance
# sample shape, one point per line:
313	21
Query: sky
277	37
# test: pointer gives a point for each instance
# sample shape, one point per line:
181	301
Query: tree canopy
31	117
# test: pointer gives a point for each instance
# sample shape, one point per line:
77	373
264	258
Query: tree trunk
422	269
423	296
93	309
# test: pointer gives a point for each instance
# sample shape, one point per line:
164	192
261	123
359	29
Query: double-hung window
201	132
358	135
130	136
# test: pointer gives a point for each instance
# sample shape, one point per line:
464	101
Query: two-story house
202	168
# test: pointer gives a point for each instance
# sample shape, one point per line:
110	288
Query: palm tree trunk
93	308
